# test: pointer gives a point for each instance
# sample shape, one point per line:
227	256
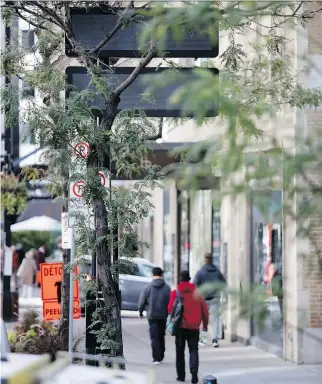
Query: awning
37	223
41	208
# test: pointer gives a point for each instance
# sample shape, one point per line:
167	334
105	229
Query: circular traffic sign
81	150
78	188
103	178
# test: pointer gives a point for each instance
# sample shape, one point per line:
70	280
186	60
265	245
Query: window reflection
267	260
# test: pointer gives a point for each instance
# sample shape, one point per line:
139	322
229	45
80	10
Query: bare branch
38	26
107	38
131	78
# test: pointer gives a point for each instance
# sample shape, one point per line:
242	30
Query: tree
122	137
58	123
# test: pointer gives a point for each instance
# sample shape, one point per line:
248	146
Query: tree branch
132	77
107	38
159	134
38	26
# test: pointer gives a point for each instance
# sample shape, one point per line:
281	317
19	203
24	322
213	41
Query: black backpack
174	319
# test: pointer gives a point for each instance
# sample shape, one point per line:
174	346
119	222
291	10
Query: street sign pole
71	293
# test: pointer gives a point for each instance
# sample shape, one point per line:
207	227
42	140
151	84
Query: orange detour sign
51	280
52	310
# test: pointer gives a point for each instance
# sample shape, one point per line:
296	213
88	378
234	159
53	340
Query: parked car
133	280
135	275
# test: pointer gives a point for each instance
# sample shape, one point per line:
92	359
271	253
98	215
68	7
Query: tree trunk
106	283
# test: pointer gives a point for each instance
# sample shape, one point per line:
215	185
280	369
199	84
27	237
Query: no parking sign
81	150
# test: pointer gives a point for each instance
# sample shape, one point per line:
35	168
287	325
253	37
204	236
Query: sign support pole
71	293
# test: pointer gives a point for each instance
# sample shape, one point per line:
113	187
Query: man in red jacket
195	311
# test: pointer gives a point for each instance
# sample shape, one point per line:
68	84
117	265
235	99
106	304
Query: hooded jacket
195	310
155	298
209	273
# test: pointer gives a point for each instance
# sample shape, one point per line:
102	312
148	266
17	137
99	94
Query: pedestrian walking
26	272
155	298
20	252
209	273
41	255
15	267
195	312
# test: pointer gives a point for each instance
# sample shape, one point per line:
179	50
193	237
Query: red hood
186	287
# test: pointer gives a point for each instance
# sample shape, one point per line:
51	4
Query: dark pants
157	333
192	338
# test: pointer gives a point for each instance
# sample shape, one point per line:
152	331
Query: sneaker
202	344
194	377
180	379
155	362
215	343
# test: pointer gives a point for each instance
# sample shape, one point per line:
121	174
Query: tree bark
104	251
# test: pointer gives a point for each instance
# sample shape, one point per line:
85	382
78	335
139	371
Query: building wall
302	293
304	329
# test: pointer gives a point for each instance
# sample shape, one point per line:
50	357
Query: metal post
71	293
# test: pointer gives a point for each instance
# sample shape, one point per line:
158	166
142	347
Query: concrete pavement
231	363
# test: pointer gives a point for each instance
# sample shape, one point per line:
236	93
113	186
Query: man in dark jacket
209	273
155	298
195	312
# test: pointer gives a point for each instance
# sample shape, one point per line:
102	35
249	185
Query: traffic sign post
71	296
66	231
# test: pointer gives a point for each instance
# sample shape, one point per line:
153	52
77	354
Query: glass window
168	240
27	91
267	261
28	39
184	235
129	268
216	242
146	270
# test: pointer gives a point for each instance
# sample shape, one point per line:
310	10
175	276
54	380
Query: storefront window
216	237
168	243
200	229
267	261
185	228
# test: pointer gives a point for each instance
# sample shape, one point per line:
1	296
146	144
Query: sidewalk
230	364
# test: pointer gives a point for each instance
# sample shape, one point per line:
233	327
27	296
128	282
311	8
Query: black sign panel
92	26
130	98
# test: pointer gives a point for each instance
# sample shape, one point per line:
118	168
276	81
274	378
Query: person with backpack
190	311
155	298
209	273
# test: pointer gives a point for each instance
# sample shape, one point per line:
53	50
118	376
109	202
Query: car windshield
146	270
